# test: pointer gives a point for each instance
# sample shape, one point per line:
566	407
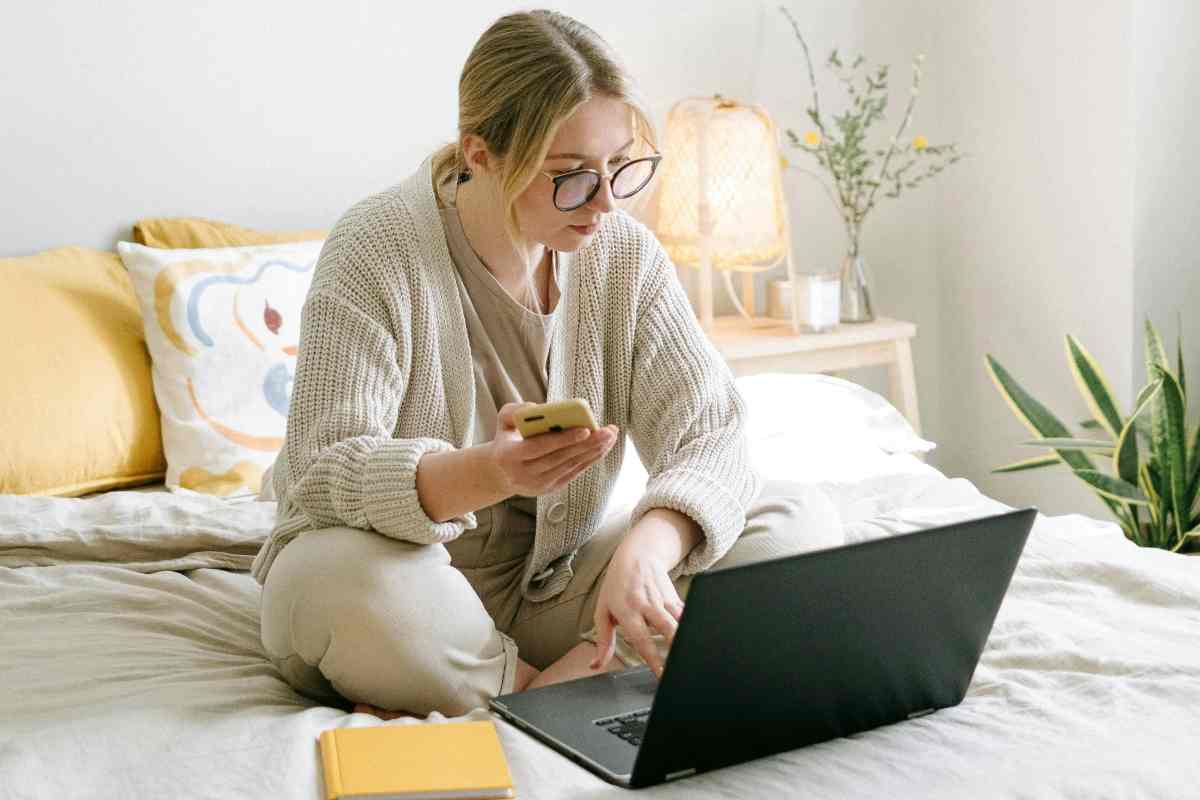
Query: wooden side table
776	348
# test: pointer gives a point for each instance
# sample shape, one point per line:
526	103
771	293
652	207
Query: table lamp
721	204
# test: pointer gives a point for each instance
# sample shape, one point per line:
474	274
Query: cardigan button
557	513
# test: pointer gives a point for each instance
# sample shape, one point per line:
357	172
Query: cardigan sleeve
344	466
688	423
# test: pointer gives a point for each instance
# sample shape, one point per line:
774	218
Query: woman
426	557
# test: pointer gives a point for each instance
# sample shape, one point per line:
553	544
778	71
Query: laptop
788	652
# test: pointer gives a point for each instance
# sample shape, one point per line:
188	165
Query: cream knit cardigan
384	375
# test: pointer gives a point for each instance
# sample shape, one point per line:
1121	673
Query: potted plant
1153	476
859	171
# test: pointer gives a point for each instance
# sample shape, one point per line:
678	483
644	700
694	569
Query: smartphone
553	417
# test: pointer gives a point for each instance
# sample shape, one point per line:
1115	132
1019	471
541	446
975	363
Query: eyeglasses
577	187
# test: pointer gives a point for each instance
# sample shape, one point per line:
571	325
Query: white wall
1076	215
135	109
901	235
276	114
1166	237
1035	230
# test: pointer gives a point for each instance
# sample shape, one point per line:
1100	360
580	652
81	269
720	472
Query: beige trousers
353	615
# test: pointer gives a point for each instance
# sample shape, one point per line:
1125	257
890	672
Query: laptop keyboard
629	726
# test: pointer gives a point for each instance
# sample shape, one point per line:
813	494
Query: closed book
447	760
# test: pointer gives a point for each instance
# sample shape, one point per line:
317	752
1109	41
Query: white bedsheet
150	682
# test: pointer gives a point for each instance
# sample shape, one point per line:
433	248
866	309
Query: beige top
385	375
510	351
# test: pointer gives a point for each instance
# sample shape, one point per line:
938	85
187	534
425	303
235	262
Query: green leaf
1144	427
1194	470
1030	463
1090	424
1155	354
1144	396
1155	475
1041	422
1036	416
1067	443
1125	458
1148	487
1134	532
1176	450
1156	359
1191	536
1179	353
1093	386
1112	488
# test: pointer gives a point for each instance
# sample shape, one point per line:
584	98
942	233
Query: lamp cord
768	322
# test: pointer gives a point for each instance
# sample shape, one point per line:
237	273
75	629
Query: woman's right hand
548	461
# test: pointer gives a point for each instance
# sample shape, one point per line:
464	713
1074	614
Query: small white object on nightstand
818	301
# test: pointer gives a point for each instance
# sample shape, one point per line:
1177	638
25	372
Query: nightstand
775	348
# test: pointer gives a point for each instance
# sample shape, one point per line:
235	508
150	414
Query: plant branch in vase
859	172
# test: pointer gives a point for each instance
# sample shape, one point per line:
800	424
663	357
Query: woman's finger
505	414
637	634
567	456
606	641
544	444
569	476
662	621
655	612
671	599
584	459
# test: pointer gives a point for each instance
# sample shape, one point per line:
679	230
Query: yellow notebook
446	760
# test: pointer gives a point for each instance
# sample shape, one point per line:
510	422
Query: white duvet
130	663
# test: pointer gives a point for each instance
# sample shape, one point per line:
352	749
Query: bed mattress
130	665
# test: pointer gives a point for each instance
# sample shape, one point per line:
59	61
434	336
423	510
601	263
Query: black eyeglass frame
559	180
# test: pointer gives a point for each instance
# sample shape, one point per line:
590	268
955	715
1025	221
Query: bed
130	662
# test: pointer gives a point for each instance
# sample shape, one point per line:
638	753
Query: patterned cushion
222	326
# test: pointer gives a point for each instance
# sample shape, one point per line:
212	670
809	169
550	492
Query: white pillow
222	326
805	427
809	407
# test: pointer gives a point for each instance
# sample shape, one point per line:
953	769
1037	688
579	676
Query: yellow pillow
77	409
177	233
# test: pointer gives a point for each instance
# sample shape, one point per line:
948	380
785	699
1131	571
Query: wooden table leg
904	384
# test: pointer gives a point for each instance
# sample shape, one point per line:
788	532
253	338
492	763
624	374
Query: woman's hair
525	76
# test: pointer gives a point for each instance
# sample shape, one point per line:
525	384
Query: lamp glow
721	204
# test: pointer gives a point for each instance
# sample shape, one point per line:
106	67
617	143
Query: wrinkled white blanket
150	682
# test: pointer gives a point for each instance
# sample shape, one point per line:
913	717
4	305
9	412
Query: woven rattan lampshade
720	202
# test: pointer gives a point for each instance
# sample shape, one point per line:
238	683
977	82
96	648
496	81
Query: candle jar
819	298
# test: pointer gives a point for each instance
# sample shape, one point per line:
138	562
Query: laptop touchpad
640	680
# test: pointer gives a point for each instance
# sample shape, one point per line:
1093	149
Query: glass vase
856	284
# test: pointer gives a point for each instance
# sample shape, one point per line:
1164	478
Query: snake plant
1154	463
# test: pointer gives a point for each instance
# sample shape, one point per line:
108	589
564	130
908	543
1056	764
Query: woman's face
599	136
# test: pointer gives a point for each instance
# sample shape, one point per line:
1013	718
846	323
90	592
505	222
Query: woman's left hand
637	594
